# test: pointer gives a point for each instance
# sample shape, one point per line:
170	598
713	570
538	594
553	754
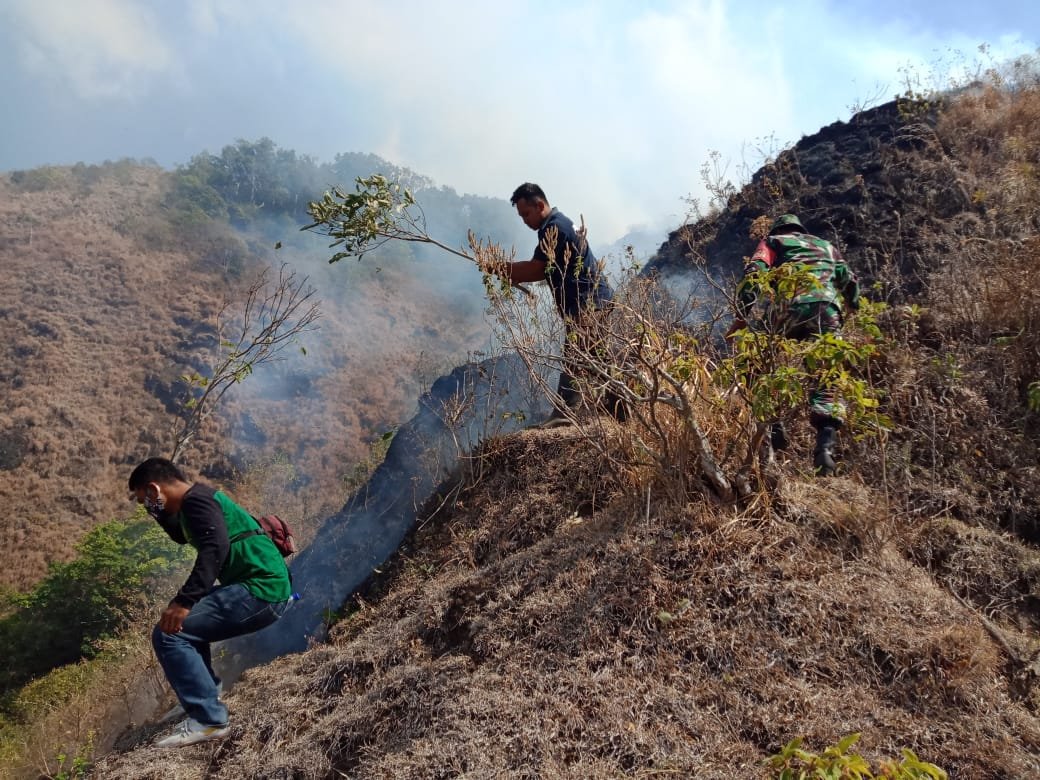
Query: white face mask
154	506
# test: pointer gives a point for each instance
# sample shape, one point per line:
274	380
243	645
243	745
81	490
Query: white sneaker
191	731
177	711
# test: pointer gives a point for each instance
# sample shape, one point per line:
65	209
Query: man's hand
491	268
172	618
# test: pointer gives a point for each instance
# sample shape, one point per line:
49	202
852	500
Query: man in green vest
816	307
253	593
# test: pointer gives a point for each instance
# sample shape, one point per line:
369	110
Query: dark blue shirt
572	273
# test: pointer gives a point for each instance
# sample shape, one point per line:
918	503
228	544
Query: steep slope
106	306
570	616
550	627
81	330
934	204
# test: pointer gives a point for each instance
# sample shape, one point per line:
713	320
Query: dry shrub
646	355
995	134
985	302
983	296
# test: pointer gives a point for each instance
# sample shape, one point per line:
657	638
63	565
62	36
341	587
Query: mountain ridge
569	616
565	610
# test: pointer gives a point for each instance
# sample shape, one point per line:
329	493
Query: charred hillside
887	186
933	203
578	611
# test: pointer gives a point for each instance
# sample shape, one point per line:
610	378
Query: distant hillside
579	610
114	276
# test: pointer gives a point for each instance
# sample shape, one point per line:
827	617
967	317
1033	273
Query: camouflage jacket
834	281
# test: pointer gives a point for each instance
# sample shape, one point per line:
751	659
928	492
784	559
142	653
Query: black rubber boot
567	397
614	406
823	455
778	436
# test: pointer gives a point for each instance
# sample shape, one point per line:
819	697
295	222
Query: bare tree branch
272	317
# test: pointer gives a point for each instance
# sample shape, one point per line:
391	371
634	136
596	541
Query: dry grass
959	366
548	628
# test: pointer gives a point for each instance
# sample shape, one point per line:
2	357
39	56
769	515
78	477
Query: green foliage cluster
775	373
257	184
1033	396
51	690
38	179
363	469
379	210
253	180
73	767
83	602
50	722
915	105
838	763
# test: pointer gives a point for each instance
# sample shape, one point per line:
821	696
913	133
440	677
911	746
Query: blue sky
611	106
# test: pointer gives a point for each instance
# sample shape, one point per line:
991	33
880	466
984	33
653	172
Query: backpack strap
245	535
257	532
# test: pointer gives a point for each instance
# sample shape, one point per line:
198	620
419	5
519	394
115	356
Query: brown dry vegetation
566	618
529	635
105	306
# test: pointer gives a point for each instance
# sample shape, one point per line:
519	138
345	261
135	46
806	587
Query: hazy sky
611	106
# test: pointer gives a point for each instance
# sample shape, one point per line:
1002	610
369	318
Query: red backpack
277	529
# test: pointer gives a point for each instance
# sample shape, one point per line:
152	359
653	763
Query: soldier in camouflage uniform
811	312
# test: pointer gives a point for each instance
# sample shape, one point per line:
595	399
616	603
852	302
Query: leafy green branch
773	372
381	210
1033	396
837	762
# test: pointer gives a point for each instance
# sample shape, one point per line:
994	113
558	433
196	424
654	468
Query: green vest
253	561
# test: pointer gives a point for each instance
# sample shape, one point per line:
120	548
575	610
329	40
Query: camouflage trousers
808	321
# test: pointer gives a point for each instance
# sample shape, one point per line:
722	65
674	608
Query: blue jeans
224	612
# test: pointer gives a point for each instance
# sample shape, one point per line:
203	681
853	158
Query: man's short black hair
160	470
528	191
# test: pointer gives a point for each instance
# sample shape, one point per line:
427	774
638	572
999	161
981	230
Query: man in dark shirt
254	589
564	260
